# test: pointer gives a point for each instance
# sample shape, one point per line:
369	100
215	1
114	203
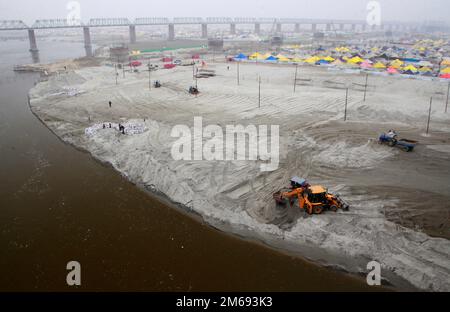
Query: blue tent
322	62
271	58
240	57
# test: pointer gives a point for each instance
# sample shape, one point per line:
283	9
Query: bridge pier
297	28
87	41
32	38
204	31
233	29
257	28
279	27
132	34
171	32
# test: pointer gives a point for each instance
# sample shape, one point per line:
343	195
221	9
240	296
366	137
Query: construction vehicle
312	199
392	140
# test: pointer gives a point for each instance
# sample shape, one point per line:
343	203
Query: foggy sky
399	10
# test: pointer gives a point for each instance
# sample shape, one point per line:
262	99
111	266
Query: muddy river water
58	204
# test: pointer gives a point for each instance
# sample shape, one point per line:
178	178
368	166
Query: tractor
313	199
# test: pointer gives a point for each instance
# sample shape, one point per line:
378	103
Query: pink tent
445	76
366	65
392	70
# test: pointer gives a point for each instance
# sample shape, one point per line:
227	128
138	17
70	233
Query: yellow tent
312	60
265	56
425	69
446	62
283	59
328	59
445	70
410	67
379	65
355	60
397	63
297	60
342	49
255	56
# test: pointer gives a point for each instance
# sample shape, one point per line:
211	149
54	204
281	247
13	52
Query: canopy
255	56
446	62
425	69
135	64
397	63
283	59
392	70
379	65
342	49
355	60
241	56
445	70
328	59
445	76
312	60
366	64
410	68
271	58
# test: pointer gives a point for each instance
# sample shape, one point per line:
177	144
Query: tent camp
397	64
312	60
355	60
366	65
255	56
446	62
272	59
391	70
379	65
410	68
240	57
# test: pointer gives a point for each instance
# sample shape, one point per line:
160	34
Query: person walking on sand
110	104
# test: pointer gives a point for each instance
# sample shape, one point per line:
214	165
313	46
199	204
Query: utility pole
429	115
295	79
365	87
149	75
259	91
238	72
346	102
116	73
446	103
196	78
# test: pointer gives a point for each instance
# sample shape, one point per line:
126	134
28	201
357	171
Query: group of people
121	127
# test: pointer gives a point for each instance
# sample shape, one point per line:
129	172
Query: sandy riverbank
386	188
